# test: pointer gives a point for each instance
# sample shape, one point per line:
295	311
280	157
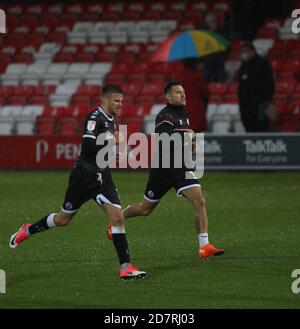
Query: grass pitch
255	217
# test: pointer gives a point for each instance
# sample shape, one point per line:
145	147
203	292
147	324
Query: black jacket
256	82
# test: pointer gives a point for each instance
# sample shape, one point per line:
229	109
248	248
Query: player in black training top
174	119
87	181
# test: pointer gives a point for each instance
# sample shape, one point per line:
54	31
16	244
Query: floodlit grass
255	217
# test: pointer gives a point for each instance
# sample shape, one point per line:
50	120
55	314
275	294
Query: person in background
256	88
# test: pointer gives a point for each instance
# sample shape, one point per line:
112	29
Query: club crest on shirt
91	125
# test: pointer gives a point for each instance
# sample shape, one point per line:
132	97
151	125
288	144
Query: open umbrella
189	44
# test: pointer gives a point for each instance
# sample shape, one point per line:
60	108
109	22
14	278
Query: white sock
203	239
50	220
118	230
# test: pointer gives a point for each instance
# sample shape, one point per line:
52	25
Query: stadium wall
222	152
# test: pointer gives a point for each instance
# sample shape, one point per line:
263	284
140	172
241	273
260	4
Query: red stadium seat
45	126
115	79
67	126
4	61
290	117
196	111
133	125
25	90
285	87
2	101
218	88
233	88
57	37
151	15
39	100
152	89
17	100
6	91
277	54
138	7
277	66
132	89
36	9
267	33
63	58
89	90
90	17
173	15
42	90
78	100
215	99
130	16
294	54
55	112
66	54
231	99
14	8
36	38
110	16
121	68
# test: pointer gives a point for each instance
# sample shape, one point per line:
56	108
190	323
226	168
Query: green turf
255	217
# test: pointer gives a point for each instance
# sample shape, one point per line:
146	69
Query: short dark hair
170	84
110	89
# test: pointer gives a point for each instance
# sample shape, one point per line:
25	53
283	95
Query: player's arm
90	133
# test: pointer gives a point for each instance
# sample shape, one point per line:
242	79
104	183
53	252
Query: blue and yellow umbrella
189	44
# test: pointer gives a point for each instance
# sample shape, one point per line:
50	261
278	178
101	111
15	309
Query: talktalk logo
2	21
265	146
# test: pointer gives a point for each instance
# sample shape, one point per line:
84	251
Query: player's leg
143	208
113	211
107	196
73	200
195	196
157	186
47	222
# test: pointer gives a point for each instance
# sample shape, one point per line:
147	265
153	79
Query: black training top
97	122
171	119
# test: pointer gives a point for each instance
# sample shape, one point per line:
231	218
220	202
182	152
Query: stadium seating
60	54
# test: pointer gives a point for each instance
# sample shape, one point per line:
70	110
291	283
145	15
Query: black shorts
85	185
160	181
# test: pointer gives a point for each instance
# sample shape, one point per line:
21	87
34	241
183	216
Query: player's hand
118	137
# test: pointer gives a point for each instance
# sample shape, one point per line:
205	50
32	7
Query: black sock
121	245
39	226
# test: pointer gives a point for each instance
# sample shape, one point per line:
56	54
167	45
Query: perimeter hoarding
222	152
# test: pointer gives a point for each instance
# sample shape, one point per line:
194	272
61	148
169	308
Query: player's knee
63	219
199	203
201	200
117	219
